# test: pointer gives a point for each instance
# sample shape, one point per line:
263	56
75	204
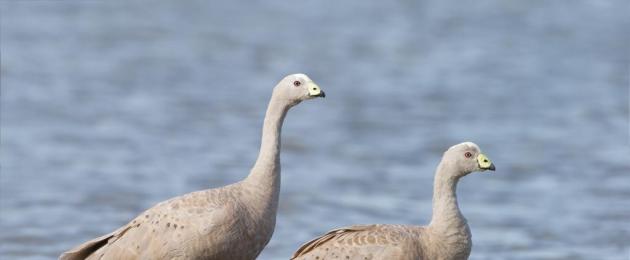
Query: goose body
447	237
230	222
199	225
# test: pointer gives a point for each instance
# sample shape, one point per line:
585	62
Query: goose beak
315	91
485	163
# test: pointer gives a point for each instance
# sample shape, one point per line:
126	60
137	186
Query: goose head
296	88
467	158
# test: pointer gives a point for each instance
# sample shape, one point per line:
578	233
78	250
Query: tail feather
84	250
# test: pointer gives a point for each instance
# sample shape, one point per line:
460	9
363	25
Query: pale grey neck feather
448	226
263	182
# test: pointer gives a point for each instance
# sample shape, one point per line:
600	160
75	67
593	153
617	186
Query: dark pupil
297	83
468	154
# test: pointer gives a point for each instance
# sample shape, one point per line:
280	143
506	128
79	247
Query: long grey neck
446	214
264	179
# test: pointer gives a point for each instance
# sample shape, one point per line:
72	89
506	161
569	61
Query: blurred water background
109	107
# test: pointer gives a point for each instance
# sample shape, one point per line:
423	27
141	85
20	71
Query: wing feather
331	235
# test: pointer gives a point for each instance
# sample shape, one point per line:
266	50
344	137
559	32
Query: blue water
108	108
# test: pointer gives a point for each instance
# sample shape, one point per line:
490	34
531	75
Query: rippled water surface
108	108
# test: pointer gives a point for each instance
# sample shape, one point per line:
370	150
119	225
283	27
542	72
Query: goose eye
297	83
468	154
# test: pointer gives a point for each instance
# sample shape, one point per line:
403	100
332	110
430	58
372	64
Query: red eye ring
297	83
468	154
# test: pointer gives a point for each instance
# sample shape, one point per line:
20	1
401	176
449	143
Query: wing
161	232
357	242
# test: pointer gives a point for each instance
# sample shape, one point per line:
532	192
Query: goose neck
446	213
265	175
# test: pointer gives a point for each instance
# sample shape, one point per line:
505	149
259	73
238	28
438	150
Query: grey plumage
446	237
230	222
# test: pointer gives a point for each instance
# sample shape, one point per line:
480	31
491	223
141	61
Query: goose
231	222
447	237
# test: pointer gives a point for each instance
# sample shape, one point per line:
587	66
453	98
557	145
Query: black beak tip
322	94
492	168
